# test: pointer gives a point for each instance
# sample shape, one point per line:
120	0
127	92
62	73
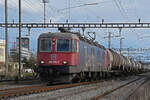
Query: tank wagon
71	57
115	61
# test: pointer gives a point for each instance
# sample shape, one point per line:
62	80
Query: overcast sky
82	11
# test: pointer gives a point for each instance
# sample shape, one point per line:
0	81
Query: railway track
77	89
133	85
14	92
87	92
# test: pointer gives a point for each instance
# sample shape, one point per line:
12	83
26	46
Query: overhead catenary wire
29	4
144	37
120	10
82	5
123	12
26	3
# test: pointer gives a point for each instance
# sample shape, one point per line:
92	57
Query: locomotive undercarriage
61	74
55	74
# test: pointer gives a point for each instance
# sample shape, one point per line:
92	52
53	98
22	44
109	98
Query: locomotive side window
45	45
92	51
98	53
77	46
73	45
85	50
63	45
103	54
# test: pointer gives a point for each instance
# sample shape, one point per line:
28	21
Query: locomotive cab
57	52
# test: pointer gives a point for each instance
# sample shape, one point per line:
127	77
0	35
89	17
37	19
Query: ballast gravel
85	92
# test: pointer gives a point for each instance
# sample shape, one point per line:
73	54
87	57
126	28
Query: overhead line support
77	25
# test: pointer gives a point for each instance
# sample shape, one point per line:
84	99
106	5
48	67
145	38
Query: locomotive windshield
45	45
63	45
66	45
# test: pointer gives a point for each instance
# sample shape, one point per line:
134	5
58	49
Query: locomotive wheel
89	76
43	78
76	78
101	75
95	76
104	75
108	75
98	76
82	76
86	77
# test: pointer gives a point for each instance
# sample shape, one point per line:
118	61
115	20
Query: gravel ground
87	92
123	93
77	93
9	85
142	93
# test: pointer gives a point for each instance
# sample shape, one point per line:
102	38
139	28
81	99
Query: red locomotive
71	57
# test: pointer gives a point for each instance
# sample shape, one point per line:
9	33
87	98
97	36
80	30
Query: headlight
65	62
42	62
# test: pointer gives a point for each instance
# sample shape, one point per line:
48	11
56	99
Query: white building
25	53
2	51
2	55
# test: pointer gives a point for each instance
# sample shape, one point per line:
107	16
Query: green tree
30	63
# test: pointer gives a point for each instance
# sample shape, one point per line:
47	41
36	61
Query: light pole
44	2
19	74
121	44
6	38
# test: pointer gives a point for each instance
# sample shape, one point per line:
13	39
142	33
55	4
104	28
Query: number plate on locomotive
54	62
53	56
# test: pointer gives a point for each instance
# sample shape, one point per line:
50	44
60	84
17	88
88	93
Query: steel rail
77	25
